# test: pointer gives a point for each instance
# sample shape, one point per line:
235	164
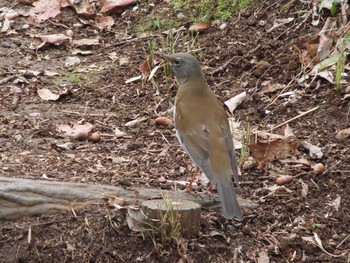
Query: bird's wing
227	135
196	144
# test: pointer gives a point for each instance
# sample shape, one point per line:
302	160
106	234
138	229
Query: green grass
206	10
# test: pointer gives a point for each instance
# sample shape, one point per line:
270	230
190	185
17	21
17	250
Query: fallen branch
26	197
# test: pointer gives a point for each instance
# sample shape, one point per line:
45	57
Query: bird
203	131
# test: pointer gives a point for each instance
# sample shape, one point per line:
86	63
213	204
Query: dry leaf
133	79
56	39
86	42
110	7
280	22
234	102
315	152
77	131
135	122
199	26
335	203
268	146
304	189
104	22
315	240
43	10
84	8
268	87
118	133
145	68
343	134
46	94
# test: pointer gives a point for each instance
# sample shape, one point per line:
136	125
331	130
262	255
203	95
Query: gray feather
229	201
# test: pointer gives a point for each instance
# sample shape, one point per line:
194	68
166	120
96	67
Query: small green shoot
333	8
340	65
245	151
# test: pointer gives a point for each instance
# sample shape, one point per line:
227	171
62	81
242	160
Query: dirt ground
286	221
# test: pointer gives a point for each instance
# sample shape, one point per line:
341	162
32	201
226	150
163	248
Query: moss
205	10
72	78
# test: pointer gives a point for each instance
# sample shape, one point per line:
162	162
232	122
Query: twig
294	118
342	242
7	79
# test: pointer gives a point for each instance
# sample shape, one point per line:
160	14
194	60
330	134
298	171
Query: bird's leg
195	174
210	189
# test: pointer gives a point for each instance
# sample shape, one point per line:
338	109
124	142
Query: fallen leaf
50	73
267	146
315	152
280	22
304	189
104	22
46	94
110	7
295	162
77	51
315	240
199	26
76	131
43	10
84	8
71	61
343	134
118	133
86	42
145	68
335	203
133	79
234	102
135	122
153	71
56	39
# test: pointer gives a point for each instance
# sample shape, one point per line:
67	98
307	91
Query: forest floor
243	54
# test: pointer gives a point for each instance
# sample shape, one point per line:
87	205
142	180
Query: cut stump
188	213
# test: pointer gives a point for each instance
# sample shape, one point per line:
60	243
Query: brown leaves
46	9
319	47
110	7
199	26
269	146
56	39
46	94
43	10
77	131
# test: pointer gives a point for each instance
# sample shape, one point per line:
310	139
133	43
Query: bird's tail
229	201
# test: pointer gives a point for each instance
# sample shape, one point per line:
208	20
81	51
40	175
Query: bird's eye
176	62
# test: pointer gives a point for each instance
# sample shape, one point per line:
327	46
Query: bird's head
184	66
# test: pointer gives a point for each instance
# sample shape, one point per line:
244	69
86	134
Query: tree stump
176	213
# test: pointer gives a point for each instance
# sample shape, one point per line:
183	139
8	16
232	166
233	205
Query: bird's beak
163	56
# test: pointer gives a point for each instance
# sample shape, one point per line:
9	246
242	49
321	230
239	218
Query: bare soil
148	154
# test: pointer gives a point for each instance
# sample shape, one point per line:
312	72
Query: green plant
340	65
170	221
245	151
332	8
165	230
205	10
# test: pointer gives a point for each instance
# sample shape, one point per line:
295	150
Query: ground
148	155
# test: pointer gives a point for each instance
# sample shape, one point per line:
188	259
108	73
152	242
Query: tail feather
230	205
